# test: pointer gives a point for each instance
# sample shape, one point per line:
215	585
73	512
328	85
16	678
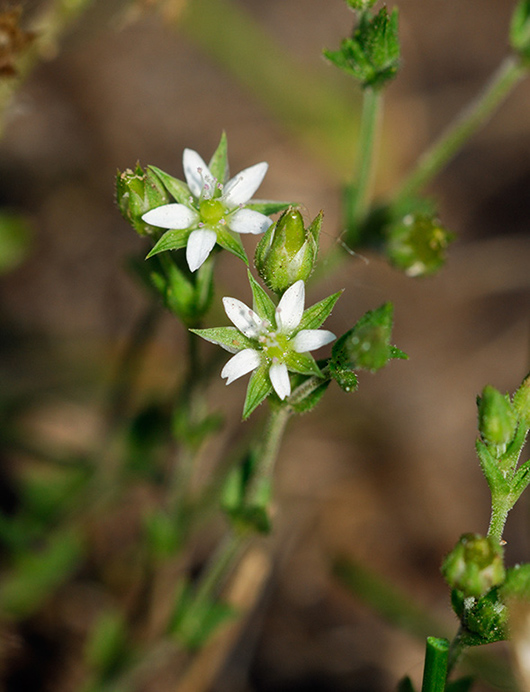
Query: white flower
275	345
211	208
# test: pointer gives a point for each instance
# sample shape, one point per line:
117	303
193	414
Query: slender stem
435	671
220	565
268	451
370	120
509	73
499	513
455	650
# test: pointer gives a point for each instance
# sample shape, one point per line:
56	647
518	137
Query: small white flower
211	208
275	345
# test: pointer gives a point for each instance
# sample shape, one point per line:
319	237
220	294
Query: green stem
509	73
370	120
435	671
268	451
455	650
499	513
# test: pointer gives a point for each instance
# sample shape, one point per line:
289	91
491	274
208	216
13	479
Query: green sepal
360	5
259	388
491	470
520	481
137	192
232	243
372	54
366	346
496	418
520	29
176	188
509	458
268	207
315	315
309	402
171	240
517	583
193	620
521	402
229	338
346	379
302	363
219	162
485	620
262	303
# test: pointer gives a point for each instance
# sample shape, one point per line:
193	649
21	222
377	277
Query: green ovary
276	346
211	211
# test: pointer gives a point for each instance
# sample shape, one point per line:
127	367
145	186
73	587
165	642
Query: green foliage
520	30
195	619
372	55
484	620
364	347
107	649
259	388
16	236
475	565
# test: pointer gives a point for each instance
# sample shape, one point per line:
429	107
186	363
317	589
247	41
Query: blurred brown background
388	475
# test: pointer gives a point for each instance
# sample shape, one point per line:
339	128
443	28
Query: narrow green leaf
176	188
302	363
228	338
490	468
219	162
263	304
231	243
258	389
268	207
315	316
171	240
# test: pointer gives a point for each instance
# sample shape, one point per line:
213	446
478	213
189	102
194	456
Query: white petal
280	379
291	308
177	216
245	319
196	171
200	244
242	186
240	364
311	339
249	221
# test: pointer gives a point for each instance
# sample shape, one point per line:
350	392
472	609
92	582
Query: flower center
211	211
275	345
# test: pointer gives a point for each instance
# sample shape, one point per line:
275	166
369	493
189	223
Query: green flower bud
136	193
474	566
417	244
520	30
360	5
521	402
497	422
287	251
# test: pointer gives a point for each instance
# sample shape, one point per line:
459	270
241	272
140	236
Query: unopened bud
496	418
136	193
475	565
287	251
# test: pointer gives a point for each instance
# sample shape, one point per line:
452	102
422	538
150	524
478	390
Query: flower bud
417	244
474	566
496	419
287	251
136	193
521	402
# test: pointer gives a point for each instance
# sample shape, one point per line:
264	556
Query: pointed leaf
219	162
228	338
315	316
490	468
521	480
258	389
302	363
176	188
268	207
231	243
171	240
263	304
